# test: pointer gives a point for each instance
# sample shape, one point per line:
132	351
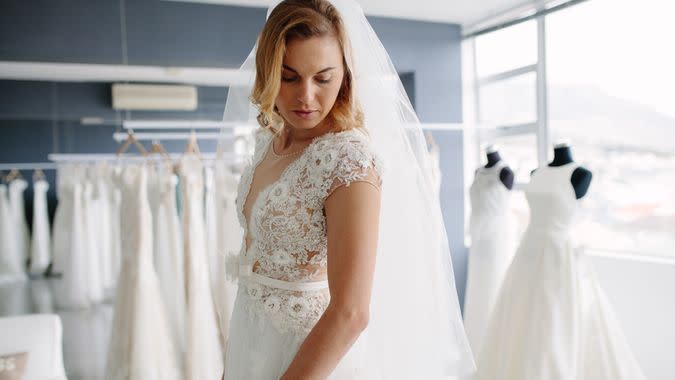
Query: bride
344	271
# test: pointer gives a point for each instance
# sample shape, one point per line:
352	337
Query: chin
304	124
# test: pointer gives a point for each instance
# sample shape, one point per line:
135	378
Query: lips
304	113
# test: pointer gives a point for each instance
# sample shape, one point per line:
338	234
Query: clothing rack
163	136
28	166
113	158
183	124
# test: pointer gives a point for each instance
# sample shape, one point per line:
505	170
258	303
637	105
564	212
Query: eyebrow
320	72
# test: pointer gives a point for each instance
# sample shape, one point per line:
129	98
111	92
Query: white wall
643	296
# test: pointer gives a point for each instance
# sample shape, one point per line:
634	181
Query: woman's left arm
352	227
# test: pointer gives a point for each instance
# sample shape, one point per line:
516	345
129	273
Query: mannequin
581	177
506	174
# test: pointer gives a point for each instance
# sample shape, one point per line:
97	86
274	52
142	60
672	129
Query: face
311	78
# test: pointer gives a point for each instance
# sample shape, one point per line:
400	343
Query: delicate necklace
277	155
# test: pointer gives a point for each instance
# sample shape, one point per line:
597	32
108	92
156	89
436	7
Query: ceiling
463	12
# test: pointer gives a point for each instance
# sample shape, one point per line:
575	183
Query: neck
493	158
561	156
291	136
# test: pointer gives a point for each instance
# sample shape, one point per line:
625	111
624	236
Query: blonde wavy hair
301	19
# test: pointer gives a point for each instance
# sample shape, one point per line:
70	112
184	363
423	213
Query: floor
85	331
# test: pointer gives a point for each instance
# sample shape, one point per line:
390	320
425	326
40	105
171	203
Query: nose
305	93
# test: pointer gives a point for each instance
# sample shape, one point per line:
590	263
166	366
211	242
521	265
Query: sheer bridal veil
415	329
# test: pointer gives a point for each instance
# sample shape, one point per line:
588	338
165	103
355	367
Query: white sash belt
246	273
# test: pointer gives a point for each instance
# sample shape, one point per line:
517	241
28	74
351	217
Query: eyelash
291	80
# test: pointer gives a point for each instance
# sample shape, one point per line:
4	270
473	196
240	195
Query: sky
622	47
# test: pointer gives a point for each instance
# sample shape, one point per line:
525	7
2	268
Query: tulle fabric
415	328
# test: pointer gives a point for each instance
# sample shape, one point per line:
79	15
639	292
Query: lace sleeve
354	162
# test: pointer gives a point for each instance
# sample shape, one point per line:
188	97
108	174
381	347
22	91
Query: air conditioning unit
154	97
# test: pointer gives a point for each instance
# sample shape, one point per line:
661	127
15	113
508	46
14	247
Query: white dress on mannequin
204	358
552	320
279	303
11	261
492	248
40	246
168	252
16	189
141	346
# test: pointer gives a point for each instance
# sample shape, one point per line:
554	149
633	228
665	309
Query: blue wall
37	118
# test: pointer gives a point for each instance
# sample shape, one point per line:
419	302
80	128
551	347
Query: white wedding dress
16	189
492	248
71	259
11	260
283	289
91	225
552	320
103	227
141	345
228	242
40	247
168	249
203	353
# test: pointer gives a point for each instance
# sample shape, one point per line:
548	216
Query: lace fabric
287	226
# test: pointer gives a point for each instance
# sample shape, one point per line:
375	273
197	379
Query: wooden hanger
13	174
131	140
38	174
157	148
192	146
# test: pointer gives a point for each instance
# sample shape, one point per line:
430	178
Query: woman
318	209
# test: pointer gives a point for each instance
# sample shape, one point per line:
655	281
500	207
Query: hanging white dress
16	189
552	320
91	226
61	232
114	204
72	290
141	346
11	261
210	214
492	247
203	356
168	252
40	247
279	303
229	239
101	197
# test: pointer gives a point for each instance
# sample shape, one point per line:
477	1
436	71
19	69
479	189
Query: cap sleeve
353	161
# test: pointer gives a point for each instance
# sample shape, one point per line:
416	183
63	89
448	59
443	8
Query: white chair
40	335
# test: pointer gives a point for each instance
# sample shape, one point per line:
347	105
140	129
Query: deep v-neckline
263	192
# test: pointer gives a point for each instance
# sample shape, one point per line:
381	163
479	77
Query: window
610	94
500	89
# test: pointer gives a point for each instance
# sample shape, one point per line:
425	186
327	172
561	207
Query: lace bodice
287	227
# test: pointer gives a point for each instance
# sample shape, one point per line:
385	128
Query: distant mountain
586	114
